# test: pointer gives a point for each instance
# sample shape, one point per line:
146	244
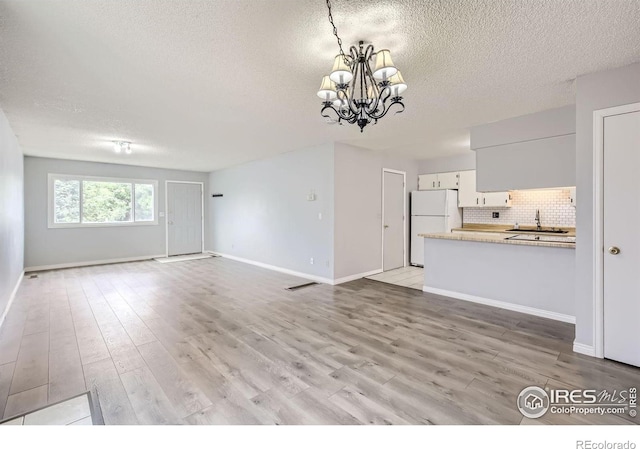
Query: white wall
264	215
358	207
594	91
448	164
46	247
11	213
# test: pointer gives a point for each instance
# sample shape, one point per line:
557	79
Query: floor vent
298	287
33	276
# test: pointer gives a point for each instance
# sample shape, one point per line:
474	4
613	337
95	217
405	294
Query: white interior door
184	218
393	221
621	207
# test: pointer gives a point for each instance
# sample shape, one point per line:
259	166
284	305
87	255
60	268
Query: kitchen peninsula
522	270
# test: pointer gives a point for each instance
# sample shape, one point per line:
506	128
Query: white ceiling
207	84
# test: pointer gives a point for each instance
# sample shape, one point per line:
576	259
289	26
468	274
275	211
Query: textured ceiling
208	84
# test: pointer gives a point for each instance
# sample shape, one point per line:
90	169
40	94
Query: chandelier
353	92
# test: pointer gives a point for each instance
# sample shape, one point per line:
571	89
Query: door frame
598	219
404	216
166	211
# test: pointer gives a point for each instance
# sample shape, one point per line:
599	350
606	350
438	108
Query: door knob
386	226
614	250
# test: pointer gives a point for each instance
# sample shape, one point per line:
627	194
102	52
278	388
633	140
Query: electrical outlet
311	261
319	215
495	214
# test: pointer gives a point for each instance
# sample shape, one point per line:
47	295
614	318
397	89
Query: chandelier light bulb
384	68
397	83
341	73
327	91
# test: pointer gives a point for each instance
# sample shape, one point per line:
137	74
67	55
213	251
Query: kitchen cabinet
448	180
438	181
496	199
468	196
572	196
428	182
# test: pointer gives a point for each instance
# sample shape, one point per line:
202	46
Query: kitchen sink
542	238
544	231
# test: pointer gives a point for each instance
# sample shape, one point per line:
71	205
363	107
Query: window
77	201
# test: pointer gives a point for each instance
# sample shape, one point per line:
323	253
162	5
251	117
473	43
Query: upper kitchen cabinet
572	196
528	152
428	182
496	199
438	181
468	196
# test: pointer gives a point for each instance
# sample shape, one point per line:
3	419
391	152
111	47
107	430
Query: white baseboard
353	277
89	263
501	304
12	296
581	348
299	274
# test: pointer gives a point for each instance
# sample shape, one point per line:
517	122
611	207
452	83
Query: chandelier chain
335	33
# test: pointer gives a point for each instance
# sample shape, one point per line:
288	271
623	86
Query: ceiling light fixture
355	92
121	146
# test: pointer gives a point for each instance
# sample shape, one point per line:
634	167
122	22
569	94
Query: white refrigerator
432	211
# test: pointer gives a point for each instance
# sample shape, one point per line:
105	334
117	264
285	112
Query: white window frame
52	177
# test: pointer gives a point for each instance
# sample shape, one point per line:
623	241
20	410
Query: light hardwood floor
215	341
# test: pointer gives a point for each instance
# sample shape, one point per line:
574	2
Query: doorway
617	241
185	217
394	230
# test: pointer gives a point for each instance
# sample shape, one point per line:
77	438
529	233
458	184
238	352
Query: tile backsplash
555	209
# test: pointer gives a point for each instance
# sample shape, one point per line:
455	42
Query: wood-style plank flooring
215	341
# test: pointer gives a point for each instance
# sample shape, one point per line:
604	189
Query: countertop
480	227
498	234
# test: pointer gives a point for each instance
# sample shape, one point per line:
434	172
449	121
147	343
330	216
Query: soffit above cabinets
534	151
541	125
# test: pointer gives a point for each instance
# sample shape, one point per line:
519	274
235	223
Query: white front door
393	221
184	218
621	207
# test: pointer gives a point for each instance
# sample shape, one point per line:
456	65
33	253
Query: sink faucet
538	227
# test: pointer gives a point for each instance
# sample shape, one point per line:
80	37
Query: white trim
581	348
501	304
404	215
89	263
311	277
353	277
598	220
12	296
51	224
166	211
